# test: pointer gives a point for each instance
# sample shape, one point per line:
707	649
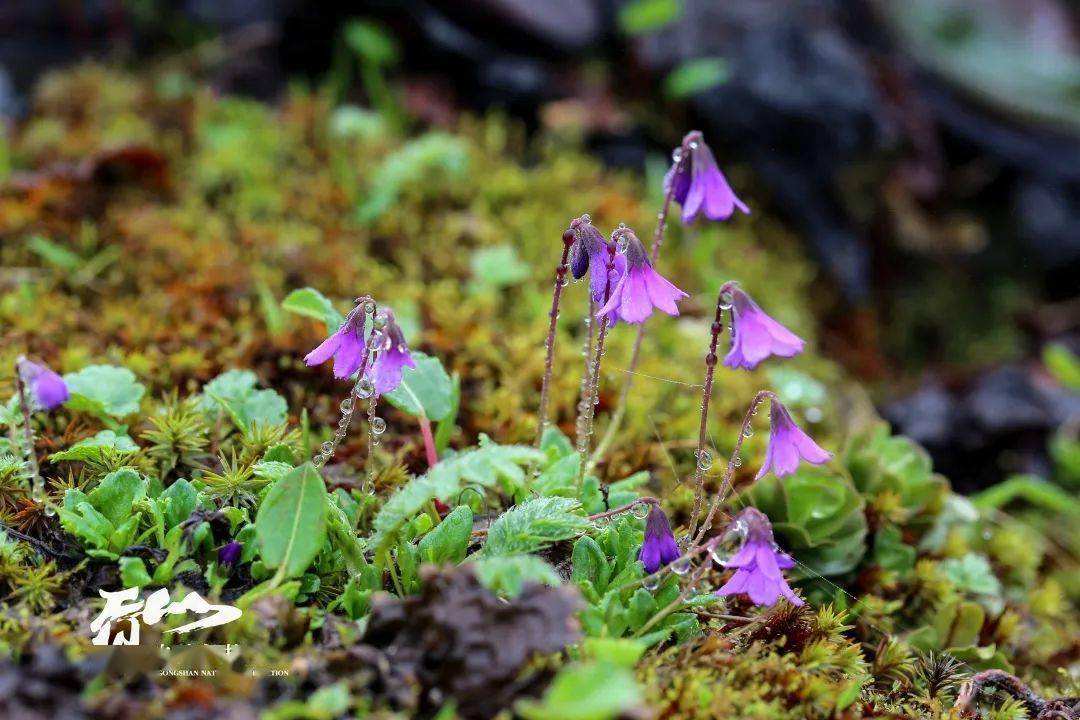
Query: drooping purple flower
698	183
755	336
758	564
346	346
590	251
641	288
48	389
393	356
659	547
788	444
229	554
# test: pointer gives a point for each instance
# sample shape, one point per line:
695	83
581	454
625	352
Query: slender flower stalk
29	455
615	422
702	459
587	411
733	462
549	344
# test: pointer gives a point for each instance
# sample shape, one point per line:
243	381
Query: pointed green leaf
291	524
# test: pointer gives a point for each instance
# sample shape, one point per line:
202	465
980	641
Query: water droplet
346	405
681	565
694	145
622	244
369	306
730	542
704	459
676	155
564	282
640	511
814	414
748	431
365	388
49	511
651	582
327	447
725	300
378	425
736	461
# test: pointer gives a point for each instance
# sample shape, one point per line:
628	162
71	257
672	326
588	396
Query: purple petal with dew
347	359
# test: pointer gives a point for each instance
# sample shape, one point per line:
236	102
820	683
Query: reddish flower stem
706	396
549	344
429	442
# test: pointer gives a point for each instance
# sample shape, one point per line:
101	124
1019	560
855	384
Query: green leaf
534	523
589	563
133	572
1063	364
446	425
559	478
311	303
181	499
449	541
291	524
55	254
104	390
639	17
498	266
428	158
585	691
891	553
972	573
371	42
425	390
694	77
116	495
507	574
92	448
235	392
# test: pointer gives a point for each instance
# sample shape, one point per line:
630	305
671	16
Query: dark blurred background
926	151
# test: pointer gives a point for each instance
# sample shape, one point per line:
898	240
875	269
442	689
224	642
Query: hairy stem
29	454
373	403
588	410
725	485
624	394
549	344
701	464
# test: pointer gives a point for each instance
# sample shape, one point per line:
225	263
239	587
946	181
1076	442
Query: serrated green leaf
291	523
534	523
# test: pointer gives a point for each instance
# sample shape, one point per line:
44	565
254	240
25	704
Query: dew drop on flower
725	301
369	306
365	388
676	154
730	542
378	425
